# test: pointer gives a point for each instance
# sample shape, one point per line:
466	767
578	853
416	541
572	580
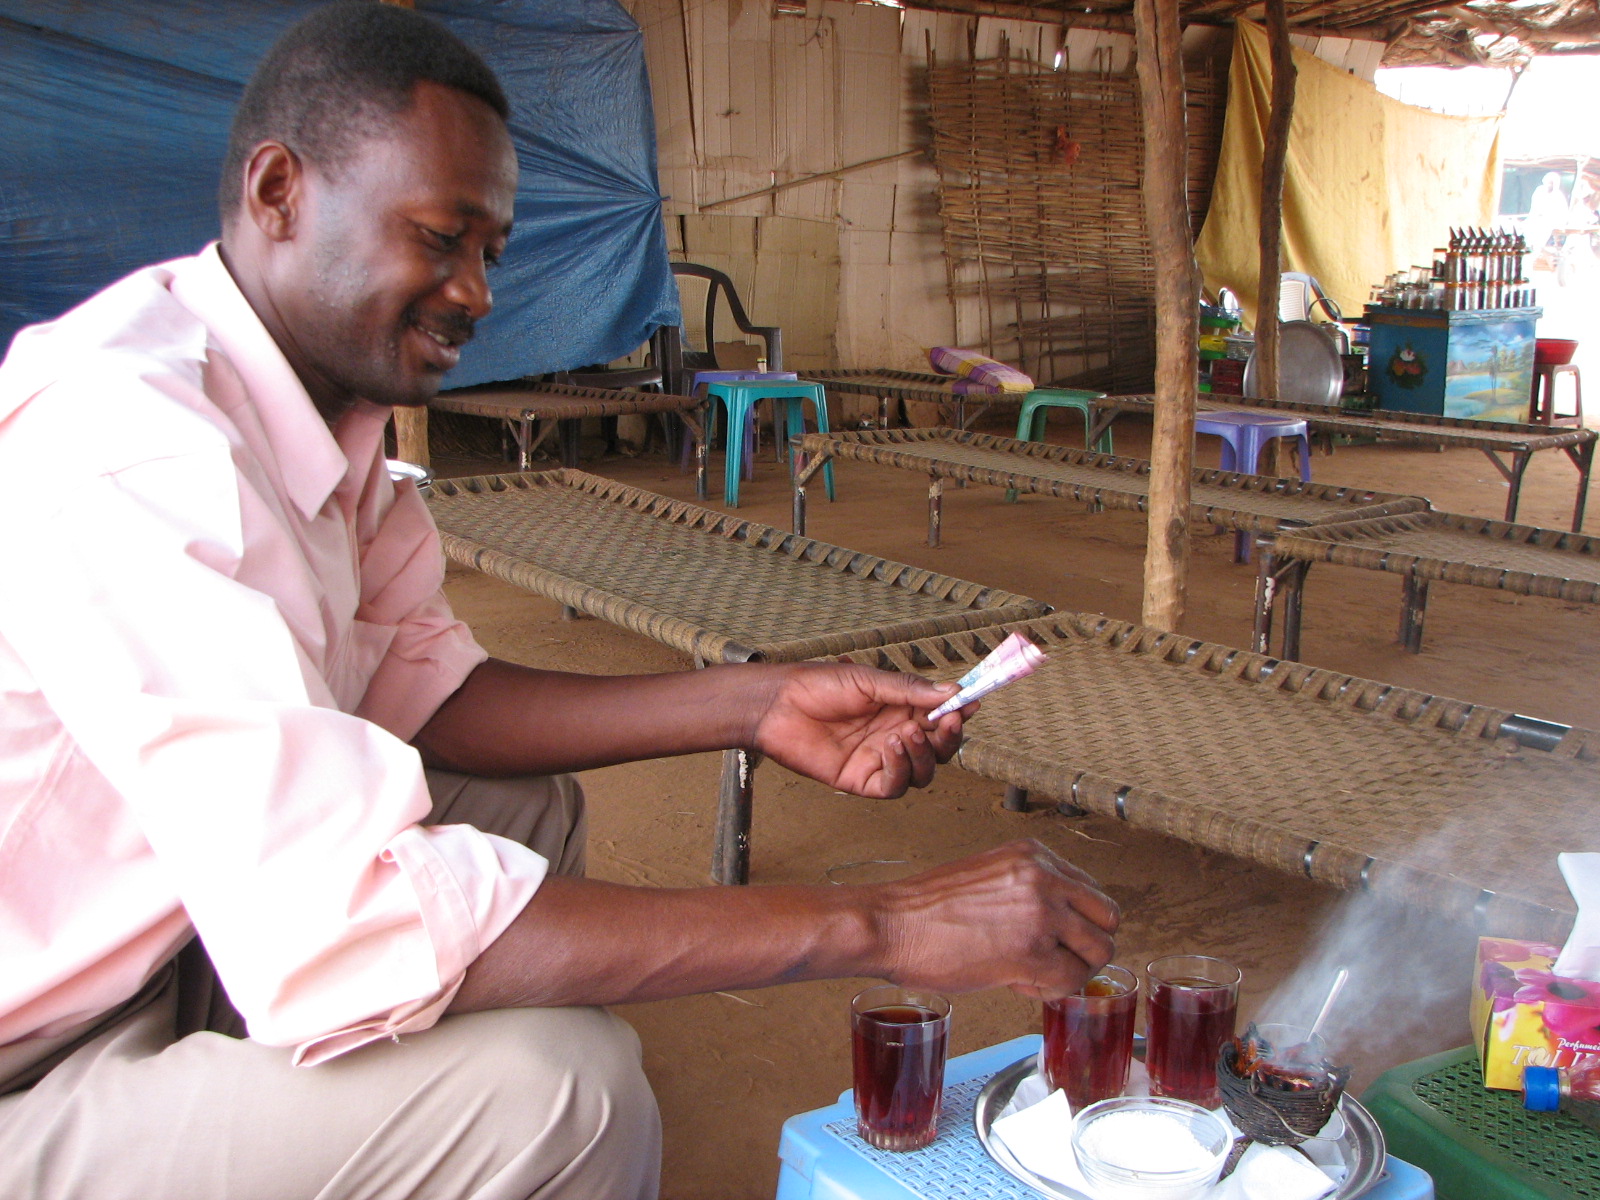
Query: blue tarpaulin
114	120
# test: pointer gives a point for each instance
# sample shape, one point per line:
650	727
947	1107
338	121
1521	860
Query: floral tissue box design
1524	1015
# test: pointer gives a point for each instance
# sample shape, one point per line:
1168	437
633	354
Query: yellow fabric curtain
1372	185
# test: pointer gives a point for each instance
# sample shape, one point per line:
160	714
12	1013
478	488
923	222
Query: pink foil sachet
1006	663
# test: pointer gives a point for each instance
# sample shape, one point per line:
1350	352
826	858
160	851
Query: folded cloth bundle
978	369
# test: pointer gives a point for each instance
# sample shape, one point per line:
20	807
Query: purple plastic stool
702	378
1243	434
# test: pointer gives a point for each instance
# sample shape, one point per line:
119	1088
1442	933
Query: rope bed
1253	503
548	404
1428	801
1520	442
914	385
710	584
1421	548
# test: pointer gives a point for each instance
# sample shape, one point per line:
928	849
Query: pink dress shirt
220	625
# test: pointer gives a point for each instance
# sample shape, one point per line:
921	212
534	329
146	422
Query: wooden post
1166	205
1274	159
411	434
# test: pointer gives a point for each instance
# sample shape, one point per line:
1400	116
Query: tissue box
1523	1014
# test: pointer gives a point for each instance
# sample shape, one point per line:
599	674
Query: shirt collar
311	460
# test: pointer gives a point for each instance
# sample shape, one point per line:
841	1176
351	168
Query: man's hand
1017	916
857	729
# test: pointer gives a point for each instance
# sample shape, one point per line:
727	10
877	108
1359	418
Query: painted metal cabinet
1477	363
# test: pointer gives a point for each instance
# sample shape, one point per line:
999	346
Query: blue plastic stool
740	397
820	1158
705	378
1243	434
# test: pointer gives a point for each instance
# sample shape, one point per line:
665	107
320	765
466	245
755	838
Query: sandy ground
730	1068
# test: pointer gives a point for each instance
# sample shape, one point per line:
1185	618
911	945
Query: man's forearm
508	720
641	944
1016	916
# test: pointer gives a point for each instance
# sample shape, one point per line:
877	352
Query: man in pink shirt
237	705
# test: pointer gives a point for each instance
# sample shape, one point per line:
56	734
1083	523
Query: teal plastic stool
740	397
1035	408
1030	425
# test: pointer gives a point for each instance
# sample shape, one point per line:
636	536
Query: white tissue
1580	957
1037	1132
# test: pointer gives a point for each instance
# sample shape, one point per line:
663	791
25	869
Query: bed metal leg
1016	799
730	857
935	508
1413	606
1583	458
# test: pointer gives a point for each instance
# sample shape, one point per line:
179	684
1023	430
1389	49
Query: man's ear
274	188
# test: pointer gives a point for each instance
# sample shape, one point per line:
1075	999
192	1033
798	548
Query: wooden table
1517	442
711	584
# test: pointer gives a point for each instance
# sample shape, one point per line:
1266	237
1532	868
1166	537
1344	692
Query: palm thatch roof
1498	33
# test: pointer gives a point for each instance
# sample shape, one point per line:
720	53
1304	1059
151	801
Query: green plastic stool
1480	1144
1035	408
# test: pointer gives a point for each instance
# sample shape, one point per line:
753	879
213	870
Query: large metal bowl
1361	1144
399	469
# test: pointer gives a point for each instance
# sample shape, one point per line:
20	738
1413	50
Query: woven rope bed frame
961	409
545	404
1424	547
1517	441
1433	802
711	584
1254	503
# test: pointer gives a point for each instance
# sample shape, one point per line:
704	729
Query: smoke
1410	976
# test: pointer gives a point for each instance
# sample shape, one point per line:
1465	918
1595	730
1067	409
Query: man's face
388	274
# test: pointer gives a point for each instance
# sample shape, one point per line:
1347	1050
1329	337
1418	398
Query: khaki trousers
152	1103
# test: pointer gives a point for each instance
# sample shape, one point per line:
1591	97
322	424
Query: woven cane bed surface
1348	780
1227	498
903	385
1460	549
558	401
1423	427
702	581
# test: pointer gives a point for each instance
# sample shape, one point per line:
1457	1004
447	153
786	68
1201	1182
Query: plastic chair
1542	404
1299	295
676	351
1243	434
1035	409
740	397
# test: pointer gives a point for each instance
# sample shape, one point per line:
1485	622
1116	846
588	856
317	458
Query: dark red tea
1088	1041
1189	1021
899	1053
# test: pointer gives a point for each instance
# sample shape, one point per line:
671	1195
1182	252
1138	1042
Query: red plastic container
1554	350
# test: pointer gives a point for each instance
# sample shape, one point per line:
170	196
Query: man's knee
568	1084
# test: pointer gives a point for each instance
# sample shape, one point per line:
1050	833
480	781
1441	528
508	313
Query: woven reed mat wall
1349	781
1039	191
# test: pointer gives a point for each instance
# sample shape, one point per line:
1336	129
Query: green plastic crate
1480	1144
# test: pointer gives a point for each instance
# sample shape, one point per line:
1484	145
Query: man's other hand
1017	916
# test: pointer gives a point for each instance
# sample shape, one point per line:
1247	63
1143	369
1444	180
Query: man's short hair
341	75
